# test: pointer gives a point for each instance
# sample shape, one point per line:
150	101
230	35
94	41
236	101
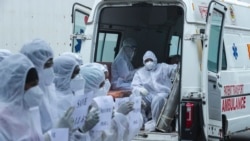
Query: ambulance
209	99
210	96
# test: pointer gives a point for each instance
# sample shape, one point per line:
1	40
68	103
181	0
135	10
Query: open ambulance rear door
211	64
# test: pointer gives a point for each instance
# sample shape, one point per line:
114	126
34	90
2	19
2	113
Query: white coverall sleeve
136	82
131	74
123	70
170	68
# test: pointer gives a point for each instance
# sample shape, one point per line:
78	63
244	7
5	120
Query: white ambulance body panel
22	21
235	79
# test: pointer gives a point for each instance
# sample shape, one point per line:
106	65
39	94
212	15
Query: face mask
100	92
77	83
48	76
149	65
106	86
33	96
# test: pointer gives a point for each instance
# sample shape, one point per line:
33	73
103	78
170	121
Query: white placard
105	105
134	116
36	121
81	104
79	92
59	134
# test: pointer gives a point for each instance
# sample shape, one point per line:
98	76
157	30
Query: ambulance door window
80	20
106	45
214	42
175	45
174	50
224	59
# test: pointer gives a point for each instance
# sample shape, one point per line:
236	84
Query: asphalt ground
242	136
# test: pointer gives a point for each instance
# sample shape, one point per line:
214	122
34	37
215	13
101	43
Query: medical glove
143	91
66	121
46	137
91	120
125	108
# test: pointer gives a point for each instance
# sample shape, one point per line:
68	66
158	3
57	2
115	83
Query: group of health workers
47	98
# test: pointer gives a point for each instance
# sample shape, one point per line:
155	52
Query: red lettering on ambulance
232	104
227	90
233	89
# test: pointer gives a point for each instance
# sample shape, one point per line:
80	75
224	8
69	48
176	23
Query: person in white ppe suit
68	82
154	84
95	82
19	97
41	55
104	69
4	53
75	56
122	69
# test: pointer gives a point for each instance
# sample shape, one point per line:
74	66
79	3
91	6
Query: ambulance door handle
219	84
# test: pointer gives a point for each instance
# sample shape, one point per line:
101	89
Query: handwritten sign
134	116
35	119
59	134
105	105
81	104
79	92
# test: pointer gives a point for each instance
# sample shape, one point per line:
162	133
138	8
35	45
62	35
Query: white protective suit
122	69
39	52
75	56
4	53
94	76
103	68
16	120
63	69
156	81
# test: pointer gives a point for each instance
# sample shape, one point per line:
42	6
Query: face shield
130	52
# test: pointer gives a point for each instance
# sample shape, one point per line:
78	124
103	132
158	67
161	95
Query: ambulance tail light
189	114
191	123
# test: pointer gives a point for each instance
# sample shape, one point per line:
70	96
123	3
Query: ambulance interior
154	28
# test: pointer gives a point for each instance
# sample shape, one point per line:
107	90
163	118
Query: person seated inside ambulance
153	83
122	69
